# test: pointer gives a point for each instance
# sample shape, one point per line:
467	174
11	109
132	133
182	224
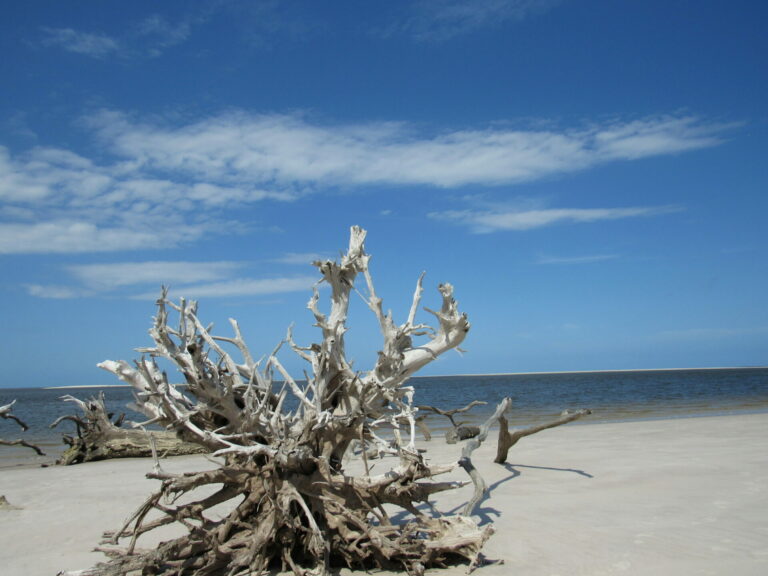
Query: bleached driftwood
5	412
101	438
283	441
459	430
508	439
293	502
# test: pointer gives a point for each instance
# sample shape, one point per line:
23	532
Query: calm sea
612	396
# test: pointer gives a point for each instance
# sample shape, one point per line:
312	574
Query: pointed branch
5	412
21	442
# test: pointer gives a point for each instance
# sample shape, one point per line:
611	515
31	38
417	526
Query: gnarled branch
5	412
508	439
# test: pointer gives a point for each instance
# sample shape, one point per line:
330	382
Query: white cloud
148	38
287	152
486	221
577	259
86	43
109	276
53	292
77	236
169	184
242	287
301	258
55	201
440	20
640	138
157	34
185	278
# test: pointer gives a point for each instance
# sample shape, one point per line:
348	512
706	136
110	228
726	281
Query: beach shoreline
675	496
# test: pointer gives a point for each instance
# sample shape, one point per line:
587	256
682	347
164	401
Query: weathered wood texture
459	430
508	439
101	438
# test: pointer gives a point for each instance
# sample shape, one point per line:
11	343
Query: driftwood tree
100	436
283	442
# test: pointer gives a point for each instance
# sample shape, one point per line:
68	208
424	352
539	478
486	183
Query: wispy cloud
493	220
142	280
167	184
440	20
576	259
54	292
146	38
157	34
87	43
79	236
290	151
55	201
109	276
244	287
711	334
301	258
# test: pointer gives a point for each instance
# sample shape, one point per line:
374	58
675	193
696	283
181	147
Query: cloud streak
443	20
110	276
577	259
164	185
288	151
494	220
244	287
147	38
86	43
191	279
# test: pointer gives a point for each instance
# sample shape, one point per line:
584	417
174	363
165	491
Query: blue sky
591	176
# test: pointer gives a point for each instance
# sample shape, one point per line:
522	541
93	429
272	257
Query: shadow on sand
487	513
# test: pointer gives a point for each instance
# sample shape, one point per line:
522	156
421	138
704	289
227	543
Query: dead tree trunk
101	438
508	439
5	412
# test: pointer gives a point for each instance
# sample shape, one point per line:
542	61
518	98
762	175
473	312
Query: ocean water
612	396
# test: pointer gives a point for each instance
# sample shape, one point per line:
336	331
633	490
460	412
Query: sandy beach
664	497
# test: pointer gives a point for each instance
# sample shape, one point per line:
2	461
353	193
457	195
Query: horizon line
757	367
539	373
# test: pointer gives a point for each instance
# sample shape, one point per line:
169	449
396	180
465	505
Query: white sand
667	497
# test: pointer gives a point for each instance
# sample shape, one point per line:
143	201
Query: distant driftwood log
99	437
292	503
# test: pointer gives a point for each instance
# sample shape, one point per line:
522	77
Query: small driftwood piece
22	442
5	412
508	439
99	437
459	431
